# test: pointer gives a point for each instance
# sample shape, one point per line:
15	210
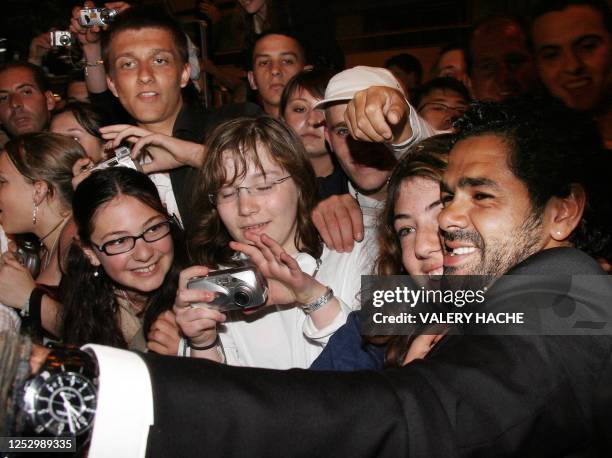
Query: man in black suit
514	198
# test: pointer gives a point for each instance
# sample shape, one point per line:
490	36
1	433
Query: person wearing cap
360	103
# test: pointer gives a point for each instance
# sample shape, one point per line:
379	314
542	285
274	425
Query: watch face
64	404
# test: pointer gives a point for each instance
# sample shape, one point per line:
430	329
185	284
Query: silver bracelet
320	302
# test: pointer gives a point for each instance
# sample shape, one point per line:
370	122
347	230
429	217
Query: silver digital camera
61	38
240	288
122	159
89	17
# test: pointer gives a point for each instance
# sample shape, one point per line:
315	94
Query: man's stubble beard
501	256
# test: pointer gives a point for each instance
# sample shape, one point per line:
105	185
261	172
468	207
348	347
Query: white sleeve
124	410
420	131
321	336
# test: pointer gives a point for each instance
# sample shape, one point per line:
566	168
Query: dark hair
144	17
88	116
426	159
313	80
90	311
494	20
40	78
547	6
48	157
283	32
550	148
408	63
454	46
443	82
242	139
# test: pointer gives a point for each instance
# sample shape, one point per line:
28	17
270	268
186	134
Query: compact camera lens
242	298
65	40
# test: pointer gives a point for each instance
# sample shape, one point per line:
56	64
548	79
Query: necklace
51	252
42	239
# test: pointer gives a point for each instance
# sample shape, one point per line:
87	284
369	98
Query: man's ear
251	78
50	100
41	190
111	85
563	214
185	74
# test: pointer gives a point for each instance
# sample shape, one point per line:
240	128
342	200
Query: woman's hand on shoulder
197	321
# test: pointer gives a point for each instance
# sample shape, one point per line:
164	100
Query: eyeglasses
440	107
230	193
127	243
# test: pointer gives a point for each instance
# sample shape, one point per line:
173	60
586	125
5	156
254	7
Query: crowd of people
497	163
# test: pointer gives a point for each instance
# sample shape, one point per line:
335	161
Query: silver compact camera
240	288
122	159
61	38
90	17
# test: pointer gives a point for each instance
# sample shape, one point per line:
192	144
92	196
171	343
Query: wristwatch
60	400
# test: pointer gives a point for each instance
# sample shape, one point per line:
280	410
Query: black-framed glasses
442	108
230	193
126	243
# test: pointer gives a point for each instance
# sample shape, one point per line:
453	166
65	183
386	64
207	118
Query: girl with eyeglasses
122	273
253	199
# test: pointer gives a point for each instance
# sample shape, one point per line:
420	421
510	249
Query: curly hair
244	140
551	148
90	311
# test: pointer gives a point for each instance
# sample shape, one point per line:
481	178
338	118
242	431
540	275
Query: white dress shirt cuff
124	412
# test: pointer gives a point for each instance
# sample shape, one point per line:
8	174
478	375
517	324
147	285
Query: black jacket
527	396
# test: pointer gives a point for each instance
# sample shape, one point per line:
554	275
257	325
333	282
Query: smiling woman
123	274
254	198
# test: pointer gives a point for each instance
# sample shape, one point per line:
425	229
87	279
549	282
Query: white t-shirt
283	337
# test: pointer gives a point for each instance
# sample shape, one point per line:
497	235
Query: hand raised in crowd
164	335
165	152
197	321
16	282
339	221
379	114
91	35
39	47
286	281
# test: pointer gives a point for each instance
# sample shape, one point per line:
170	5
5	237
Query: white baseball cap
345	84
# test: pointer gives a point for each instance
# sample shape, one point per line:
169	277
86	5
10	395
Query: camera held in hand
61	39
90	17
28	253
240	288
122	159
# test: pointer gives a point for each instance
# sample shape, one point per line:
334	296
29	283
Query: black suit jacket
474	396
